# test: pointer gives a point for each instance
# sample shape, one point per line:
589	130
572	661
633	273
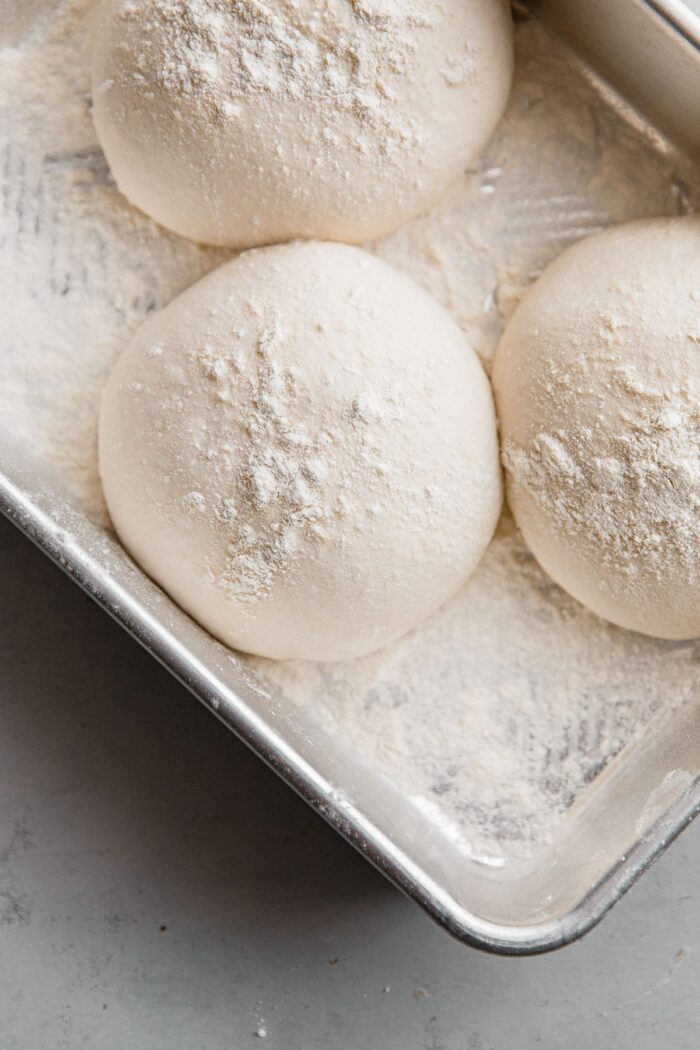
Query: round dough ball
253	123
597	383
301	449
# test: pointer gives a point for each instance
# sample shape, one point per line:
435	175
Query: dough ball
241	123
597	384
301	449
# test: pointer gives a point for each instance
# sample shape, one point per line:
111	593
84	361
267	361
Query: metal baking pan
648	53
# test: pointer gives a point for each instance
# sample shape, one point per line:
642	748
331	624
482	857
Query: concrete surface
160	889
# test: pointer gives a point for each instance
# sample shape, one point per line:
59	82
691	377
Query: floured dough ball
597	384
242	123
301	449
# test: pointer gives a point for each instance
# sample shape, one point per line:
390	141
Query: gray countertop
160	889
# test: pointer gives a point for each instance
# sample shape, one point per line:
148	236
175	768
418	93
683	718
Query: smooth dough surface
301	449
597	382
243	124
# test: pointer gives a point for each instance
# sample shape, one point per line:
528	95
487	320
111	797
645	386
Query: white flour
259	49
642	500
497	712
